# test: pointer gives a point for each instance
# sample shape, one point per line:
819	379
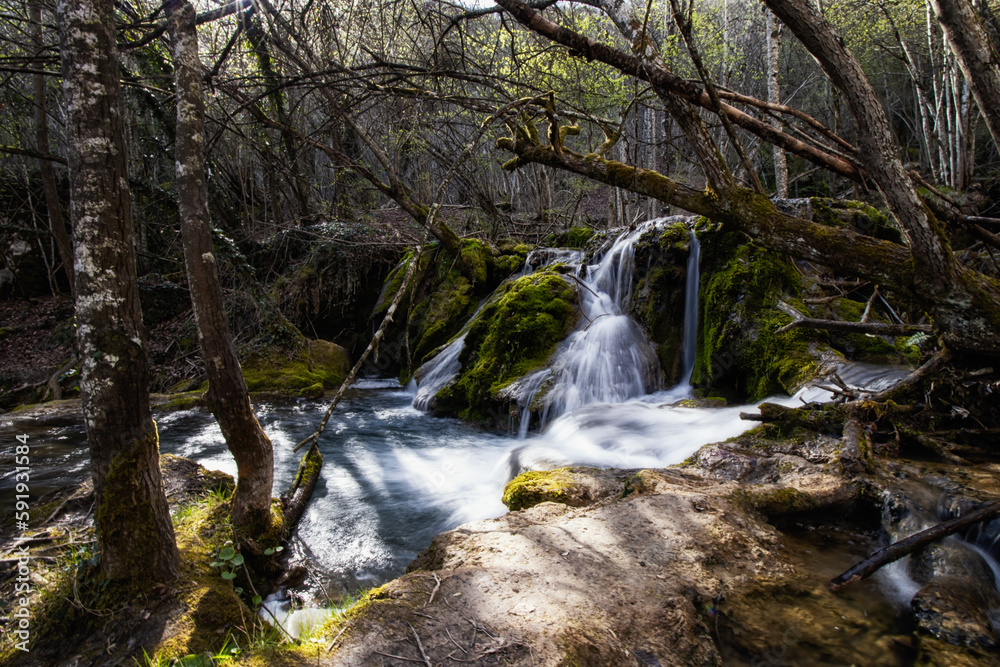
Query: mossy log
295	500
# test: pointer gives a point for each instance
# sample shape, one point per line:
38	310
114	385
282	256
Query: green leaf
237	590
236	560
227	553
228	576
268	551
256	600
215	563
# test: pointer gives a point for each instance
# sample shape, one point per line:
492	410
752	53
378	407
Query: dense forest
216	206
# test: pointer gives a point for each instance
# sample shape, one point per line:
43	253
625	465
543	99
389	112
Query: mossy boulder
658	297
574	237
311	363
445	292
740	353
514	334
576	487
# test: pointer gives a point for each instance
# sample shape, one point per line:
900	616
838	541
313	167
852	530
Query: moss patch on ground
514	334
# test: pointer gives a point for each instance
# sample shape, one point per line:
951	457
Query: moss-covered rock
740	352
289	372
514	334
658	297
574	237
445	292
576	487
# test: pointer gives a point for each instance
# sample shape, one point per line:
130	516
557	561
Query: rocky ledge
723	560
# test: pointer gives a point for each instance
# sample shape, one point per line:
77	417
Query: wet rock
955	610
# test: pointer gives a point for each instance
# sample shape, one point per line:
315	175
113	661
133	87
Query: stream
395	476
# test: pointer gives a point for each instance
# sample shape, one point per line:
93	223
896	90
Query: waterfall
690	340
436	373
608	359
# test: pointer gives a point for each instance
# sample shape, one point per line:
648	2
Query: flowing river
394	475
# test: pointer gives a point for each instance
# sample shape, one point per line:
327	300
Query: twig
420	646
342	630
448	632
398	657
880	328
437	585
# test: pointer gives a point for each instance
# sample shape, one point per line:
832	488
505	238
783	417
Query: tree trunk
773	29
979	62
227	391
134	533
52	204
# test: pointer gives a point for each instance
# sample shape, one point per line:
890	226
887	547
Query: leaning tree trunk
134	533
962	301
227	391
979	62
56	224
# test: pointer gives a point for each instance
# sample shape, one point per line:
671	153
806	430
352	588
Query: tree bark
134	532
227	391
52	203
979	61
773	29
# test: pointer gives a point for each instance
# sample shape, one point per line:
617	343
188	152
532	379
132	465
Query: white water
608	359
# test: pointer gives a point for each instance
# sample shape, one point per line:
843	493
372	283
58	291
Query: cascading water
396	476
689	343
438	372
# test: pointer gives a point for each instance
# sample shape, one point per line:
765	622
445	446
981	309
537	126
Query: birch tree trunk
134	533
773	29
979	62
227	391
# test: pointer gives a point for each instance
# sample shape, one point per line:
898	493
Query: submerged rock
956	610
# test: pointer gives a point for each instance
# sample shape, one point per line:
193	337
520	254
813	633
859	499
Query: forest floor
37	338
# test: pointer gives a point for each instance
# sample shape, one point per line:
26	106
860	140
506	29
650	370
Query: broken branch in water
902	548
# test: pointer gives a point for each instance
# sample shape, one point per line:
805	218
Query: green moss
476	260
658	298
313	391
739	348
392	283
182	401
512	335
575	237
858	216
533	487
313	362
